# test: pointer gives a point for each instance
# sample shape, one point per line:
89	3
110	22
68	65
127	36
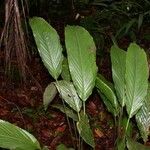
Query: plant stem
127	126
66	115
78	115
119	122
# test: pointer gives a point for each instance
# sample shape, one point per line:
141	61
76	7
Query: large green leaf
133	145
107	93
136	78
49	94
143	117
81	53
48	44
69	112
118	60
13	137
85	130
68	93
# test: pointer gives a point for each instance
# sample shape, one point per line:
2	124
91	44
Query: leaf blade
68	93
136	78
143	117
48	44
67	111
82	59
85	130
13	137
49	94
118	60
133	145
106	90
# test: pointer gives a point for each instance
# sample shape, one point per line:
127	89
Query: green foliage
118	60
136	78
81	53
48	44
85	130
69	95
13	137
130	76
49	94
107	94
69	112
143	117
82	70
133	145
129	70
117	19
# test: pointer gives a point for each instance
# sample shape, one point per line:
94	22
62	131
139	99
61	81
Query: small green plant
130	76
79	80
79	73
76	87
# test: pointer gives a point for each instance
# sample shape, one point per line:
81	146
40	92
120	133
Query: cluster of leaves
79	73
130	76
83	72
78	85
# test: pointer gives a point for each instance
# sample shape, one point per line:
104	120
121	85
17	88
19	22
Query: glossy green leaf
108	94
81	52
136	78
85	130
65	74
48	44
133	145
13	137
49	94
68	93
143	117
69	112
118	60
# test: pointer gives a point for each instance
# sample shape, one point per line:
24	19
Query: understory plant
130	91
75	75
78	80
78	71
